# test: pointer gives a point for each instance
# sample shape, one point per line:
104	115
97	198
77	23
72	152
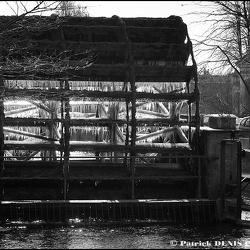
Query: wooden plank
113	52
163	147
162	121
42	106
8	154
18	111
144	148
29	134
96	121
147	73
100	146
57	94
165	97
31	155
181	134
43	122
181	177
112	72
30	164
175	166
184	177
153	113
29	122
30	178
128	201
96	33
166	130
1	128
27	145
171	21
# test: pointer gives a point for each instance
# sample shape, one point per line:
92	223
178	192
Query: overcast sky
126	9
144	9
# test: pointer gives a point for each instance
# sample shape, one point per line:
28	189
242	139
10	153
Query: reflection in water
128	237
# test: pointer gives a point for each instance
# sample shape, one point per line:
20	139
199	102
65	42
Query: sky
143	9
126	9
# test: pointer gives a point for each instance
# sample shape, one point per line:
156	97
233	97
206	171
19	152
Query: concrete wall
211	147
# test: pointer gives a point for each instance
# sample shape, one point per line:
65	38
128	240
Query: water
212	235
216	235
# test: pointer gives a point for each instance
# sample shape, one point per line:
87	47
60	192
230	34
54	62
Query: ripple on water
127	237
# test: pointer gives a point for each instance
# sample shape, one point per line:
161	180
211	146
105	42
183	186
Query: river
213	235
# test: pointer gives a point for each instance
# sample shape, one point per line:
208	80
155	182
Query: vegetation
70	8
219	94
227	39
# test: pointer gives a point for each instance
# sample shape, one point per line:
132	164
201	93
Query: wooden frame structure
138	62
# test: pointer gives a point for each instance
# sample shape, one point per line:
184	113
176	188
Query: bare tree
216	94
227	38
228	31
24	8
17	43
70	8
14	30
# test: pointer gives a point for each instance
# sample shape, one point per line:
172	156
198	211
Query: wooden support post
127	126
1	135
113	109
66	142
129	60
66	136
240	154
1	126
197	96
131	70
62	126
222	181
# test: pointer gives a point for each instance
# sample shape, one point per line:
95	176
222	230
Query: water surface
217	235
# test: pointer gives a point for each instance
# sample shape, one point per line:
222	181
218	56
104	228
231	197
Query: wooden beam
29	122
119	133
170	92
169	22
114	72
99	146
103	109
57	94
2	116
147	160
166	130
56	131
10	155
181	134
114	51
34	153
29	134
163	108
162	122
34	122
18	111
42	106
148	112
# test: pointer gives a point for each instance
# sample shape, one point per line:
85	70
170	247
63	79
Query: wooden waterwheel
130	112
